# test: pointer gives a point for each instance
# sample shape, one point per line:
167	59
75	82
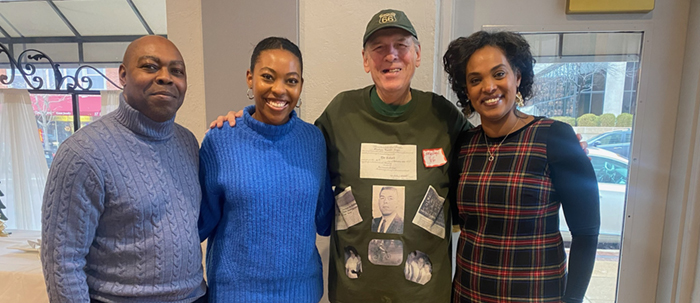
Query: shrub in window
624	120
607	120
588	120
568	120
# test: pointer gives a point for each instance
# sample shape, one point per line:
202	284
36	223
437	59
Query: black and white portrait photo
387	209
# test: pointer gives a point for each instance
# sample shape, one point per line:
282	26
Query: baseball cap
388	18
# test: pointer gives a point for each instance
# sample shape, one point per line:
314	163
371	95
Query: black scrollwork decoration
27	70
4	79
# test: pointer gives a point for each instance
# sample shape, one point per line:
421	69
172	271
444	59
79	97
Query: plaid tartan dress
510	248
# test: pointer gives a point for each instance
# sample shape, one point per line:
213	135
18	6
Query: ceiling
79	31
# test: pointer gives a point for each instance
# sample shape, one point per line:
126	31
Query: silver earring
249	94
298	103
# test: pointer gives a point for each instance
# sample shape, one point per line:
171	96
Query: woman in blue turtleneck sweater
266	191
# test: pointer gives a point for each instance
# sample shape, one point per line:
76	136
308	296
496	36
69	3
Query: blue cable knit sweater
120	213
266	193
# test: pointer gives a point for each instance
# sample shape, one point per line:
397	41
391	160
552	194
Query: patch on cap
387	17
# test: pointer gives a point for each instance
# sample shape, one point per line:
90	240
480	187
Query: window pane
102	18
104	51
59	52
90	108
23	16
593	87
54	117
597	100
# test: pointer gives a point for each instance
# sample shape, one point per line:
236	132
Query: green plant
588	120
568	120
607	120
624	120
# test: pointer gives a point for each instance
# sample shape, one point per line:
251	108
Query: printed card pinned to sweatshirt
388	161
434	157
431	213
346	206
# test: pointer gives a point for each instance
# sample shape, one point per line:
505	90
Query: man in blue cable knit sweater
122	198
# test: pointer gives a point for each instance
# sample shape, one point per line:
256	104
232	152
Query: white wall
331	42
230	31
185	30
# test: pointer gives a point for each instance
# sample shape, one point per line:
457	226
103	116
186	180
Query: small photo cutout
418	268
353	263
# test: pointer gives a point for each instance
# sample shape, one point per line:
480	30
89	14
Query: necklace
488	148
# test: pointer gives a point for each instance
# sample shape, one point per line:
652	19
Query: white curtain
110	100
23	166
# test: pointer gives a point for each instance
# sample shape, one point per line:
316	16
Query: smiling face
154	78
391	57
276	84
491	84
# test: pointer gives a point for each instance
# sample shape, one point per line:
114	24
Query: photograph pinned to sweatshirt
353	262
431	213
388	203
418	268
385	252
346	212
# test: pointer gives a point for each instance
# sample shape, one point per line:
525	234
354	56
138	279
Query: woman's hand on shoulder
230	117
584	144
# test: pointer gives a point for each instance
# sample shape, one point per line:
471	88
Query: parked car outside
611	171
617	141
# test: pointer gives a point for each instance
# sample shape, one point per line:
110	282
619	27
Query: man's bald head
154	78
145	41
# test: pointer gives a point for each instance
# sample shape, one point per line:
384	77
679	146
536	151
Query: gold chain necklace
488	148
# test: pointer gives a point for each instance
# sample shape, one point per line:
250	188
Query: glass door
589	80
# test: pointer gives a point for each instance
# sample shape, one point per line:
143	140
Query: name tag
434	157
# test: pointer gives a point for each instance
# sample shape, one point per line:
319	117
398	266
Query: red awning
62	105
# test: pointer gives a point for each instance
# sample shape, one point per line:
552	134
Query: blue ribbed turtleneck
140	124
265	194
268	130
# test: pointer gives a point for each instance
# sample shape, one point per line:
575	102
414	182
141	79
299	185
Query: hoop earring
519	100
298	103
249	94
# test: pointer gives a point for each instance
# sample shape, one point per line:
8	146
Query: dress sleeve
454	171
325	209
576	187
73	203
212	194
325	212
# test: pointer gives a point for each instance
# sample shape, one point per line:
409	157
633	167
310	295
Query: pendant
490	158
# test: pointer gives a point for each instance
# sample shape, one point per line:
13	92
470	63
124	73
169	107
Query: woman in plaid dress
515	171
